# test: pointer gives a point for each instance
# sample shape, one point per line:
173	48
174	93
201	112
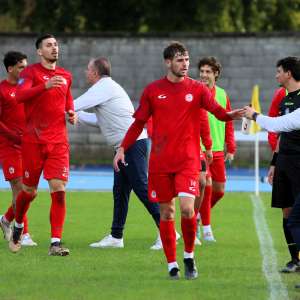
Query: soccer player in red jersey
174	102
12	122
222	137
45	90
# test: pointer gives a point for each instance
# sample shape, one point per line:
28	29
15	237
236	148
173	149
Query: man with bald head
112	112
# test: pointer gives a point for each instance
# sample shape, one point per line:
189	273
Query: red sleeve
208	102
69	100
229	132
143	112
150	127
25	91
132	133
205	130
8	133
274	112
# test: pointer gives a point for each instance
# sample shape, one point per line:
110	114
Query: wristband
254	116
274	159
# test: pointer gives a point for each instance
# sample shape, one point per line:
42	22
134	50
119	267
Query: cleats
6	228
190	270
56	249
27	241
108	242
158	243
209	237
197	242
14	244
291	267
174	274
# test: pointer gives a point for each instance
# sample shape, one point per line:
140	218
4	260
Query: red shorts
52	159
163	187
217	169
11	160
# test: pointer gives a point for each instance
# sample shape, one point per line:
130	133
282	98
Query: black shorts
286	181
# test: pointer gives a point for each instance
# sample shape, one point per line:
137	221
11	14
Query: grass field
229	269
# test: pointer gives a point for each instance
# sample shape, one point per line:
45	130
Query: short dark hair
174	48
212	62
40	39
11	58
292	64
102	66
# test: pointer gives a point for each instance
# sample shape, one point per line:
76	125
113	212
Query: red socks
10	215
57	213
168	238
188	227
206	206
216	196
22	205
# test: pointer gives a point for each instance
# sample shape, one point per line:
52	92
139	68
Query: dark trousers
134	177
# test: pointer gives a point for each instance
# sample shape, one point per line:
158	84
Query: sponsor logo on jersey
21	81
153	194
12	94
189	97
26	174
11	170
162	96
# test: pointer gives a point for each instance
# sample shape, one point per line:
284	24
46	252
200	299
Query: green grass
229	269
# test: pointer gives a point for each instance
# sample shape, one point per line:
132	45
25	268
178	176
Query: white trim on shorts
184	194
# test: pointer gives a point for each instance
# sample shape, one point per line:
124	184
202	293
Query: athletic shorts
11	160
286	184
52	159
163	187
217	169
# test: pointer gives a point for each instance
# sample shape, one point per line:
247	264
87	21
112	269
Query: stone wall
137	60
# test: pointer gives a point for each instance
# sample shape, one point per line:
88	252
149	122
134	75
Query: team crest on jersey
26	174
189	97
21	81
11	170
153	194
12	94
45	77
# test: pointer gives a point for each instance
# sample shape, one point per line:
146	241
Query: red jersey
11	113
274	112
175	109
44	108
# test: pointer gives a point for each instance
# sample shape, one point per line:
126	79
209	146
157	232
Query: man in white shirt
112	112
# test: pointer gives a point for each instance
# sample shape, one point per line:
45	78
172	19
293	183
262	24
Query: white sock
54	240
188	255
173	265
206	228
198	217
19	225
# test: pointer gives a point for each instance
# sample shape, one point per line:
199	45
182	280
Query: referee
286	185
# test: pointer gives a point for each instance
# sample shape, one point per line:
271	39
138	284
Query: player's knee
31	190
187	212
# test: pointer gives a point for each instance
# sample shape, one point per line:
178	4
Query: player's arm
7	132
229	136
284	123
72	116
142	114
205	135
86	118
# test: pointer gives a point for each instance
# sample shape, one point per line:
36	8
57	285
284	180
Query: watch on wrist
254	116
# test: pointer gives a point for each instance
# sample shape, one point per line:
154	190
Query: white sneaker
197	242
158	243
27	240
209	237
198	230
6	228
108	242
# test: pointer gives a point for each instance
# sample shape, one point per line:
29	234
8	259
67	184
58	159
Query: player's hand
236	114
271	175
209	156
119	157
249	111
55	81
72	117
229	157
